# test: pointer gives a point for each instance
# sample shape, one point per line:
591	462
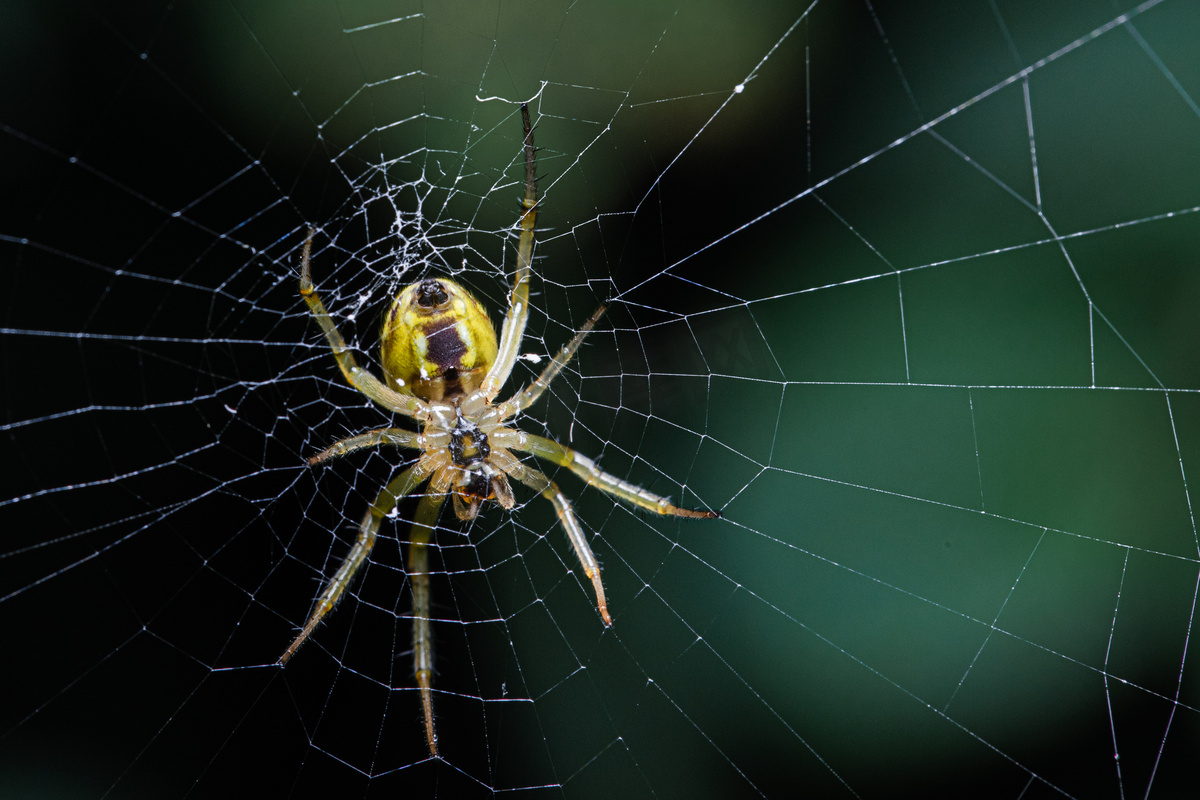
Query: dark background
950	415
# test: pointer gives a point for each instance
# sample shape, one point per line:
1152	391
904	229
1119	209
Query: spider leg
398	437
400	486
418	572
537	480
518	306
534	390
355	375
585	468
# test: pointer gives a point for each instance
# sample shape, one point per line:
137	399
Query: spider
443	367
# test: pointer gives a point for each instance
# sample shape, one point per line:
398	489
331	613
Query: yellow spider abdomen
437	341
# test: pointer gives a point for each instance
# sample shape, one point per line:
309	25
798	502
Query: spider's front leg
510	439
585	468
535	479
418	573
399	487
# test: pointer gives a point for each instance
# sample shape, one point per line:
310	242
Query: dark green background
951	418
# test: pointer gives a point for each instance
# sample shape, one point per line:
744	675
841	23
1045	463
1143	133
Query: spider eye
437	341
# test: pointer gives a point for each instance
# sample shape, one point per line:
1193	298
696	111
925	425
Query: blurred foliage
947	412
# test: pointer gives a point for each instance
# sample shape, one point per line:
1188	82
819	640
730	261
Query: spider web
910	293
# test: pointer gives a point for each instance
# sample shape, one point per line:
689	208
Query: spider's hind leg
397	437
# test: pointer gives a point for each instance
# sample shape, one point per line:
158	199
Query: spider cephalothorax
444	367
